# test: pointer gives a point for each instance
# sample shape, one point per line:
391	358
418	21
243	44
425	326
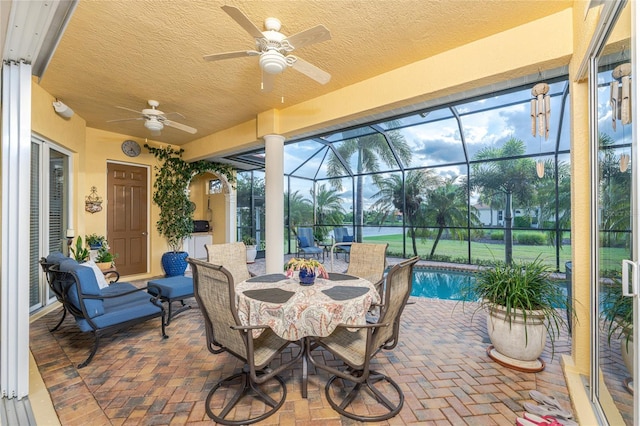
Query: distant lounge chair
341	235
306	243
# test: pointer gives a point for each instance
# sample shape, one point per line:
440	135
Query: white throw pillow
102	281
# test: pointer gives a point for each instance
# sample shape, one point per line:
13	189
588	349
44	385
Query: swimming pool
447	284
440	284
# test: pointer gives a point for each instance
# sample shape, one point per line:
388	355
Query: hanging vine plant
171	191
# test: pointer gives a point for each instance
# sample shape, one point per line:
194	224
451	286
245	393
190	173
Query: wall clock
131	148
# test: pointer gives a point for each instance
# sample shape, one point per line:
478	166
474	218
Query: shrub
497	235
531	238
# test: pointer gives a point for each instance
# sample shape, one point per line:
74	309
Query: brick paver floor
138	378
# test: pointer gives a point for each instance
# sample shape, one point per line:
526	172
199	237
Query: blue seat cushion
172	287
347	239
56	258
88	286
303	241
131	310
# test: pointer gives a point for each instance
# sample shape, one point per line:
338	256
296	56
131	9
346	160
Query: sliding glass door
49	213
614	257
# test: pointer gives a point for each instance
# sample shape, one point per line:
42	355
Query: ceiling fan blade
129	109
312	35
243	21
267	82
310	70
230	55
179	126
125	119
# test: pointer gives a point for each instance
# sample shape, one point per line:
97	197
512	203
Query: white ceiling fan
273	47
155	120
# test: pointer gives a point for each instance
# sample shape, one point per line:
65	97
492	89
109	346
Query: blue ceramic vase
307	277
174	263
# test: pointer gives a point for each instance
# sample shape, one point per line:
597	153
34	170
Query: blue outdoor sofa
99	311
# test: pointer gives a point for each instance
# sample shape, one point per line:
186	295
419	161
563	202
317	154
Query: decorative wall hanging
540	116
620	101
93	202
620	97
540	110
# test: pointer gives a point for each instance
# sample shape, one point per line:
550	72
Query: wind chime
540	116
620	100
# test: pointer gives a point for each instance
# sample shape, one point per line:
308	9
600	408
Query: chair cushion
102	281
173	287
347	239
88	286
304	242
56	258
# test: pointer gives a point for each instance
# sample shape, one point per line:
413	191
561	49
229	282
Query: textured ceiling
123	52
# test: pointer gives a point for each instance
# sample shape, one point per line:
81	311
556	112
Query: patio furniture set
256	318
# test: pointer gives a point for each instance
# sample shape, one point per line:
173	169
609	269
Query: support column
274	203
14	277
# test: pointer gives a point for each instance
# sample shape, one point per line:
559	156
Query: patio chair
368	261
214	290
342	240
357	348
306	243
233	256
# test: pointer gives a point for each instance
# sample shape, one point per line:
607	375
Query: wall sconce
93	202
62	110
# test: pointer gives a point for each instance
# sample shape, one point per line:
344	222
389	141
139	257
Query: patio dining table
295	311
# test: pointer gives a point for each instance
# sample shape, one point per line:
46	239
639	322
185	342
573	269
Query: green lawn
488	253
610	260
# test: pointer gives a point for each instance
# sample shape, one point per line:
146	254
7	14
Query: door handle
144	233
626	265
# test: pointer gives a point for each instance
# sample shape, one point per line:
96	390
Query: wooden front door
127	217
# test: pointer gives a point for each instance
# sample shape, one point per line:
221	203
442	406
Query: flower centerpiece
105	258
307	269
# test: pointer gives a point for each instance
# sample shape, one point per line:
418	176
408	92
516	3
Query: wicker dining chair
214	289
357	348
233	256
368	261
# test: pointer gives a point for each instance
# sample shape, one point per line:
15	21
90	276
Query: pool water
447	284
440	284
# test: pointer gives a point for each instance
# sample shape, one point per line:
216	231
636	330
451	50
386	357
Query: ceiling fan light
153	124
272	62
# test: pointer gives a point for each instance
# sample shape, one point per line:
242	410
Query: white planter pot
513	345
626	350
252	251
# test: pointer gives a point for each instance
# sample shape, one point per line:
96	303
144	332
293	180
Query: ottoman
170	290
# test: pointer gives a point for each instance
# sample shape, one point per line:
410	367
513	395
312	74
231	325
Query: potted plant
307	270
105	259
94	241
252	250
80	253
176	210
523	306
617	321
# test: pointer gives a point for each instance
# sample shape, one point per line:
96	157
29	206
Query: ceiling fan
155	120
273	47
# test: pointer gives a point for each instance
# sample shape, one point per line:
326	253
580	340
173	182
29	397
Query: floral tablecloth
294	311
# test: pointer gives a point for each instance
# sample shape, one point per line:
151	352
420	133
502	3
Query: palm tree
329	209
368	152
406	197
546	199
299	210
447	207
513	177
